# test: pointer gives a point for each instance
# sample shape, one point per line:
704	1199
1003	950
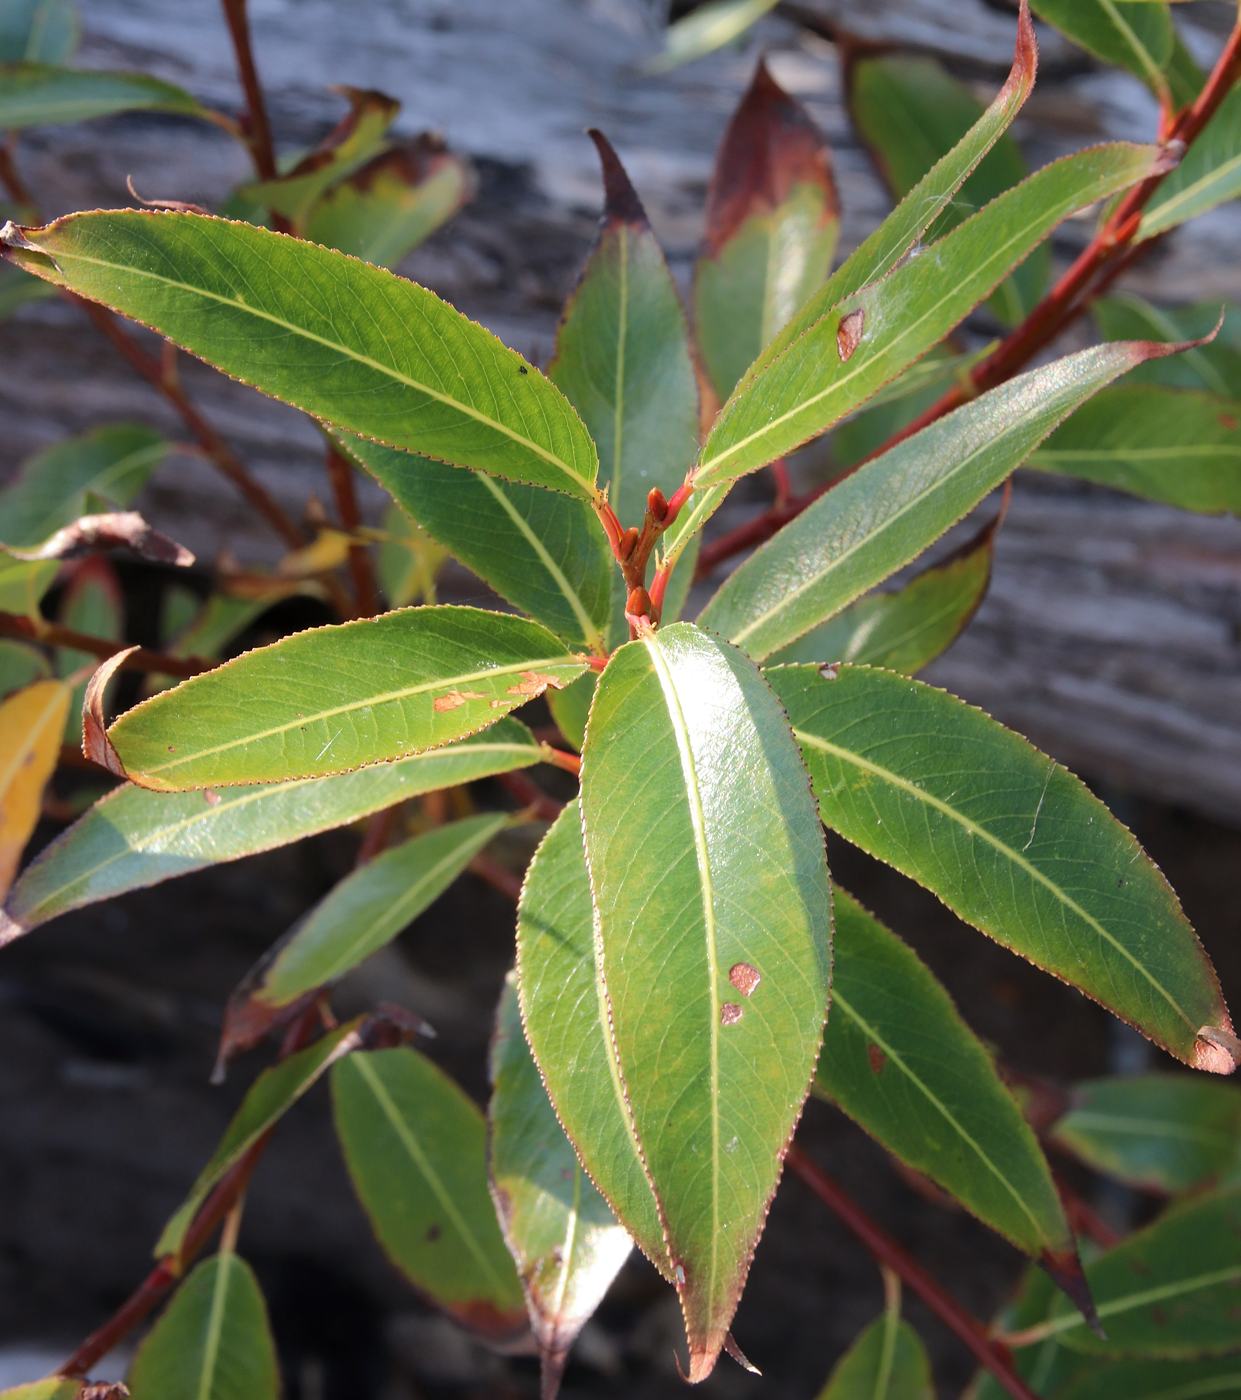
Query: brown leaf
361	102
95	742
122	529
621	204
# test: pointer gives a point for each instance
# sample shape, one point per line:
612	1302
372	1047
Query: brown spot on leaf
830	670
849	333
1227	420
745	978
433	1233
454	699
211	797
534	683
730	1013
1217	1049
877	1058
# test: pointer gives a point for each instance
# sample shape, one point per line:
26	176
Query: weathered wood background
1113	631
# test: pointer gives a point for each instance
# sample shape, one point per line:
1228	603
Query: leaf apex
1064	1268
621	203
1216	1049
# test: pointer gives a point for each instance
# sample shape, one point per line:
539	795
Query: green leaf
887	1362
885	247
92	603
563	1238
1215	367
1010	841
38	31
1137	38
348	343
409	560
565	1014
705	29
1045	1367
540	550
900	1061
909	627
1168	1291
54	1388
570	708
713	916
1169	445
16	289
1157	1380
1209	176
368	909
40	94
1162	1132
416	1151
909	112
339	697
383	211
833	368
21	666
213	1341
133	838
773	220
890	510
268	1099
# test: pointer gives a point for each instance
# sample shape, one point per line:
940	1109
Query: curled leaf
124	529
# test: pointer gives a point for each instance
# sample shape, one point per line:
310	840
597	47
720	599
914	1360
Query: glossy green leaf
1136	37
900	1061
212	1342
910	112
38	31
887	1362
369	908
133	838
415	1147
20	666
773	220
41	94
339	697
713	916
1209	176
268	1099
869	337
565	1014
348	343
886	246
563	1238
1010	841
1215	367
907	628
384	210
890	510
705	29
1168	1291
1159	1131
1169	445
92	603
542	551
1157	1380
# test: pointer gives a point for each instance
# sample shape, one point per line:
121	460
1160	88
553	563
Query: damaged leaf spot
678	1273
877	1058
745	978
830	670
433	1233
849	333
454	699
211	797
730	1013
534	683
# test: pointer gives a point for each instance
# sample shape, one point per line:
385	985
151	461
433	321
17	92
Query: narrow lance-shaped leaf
901	1062
563	1238
1156	1380
1162	1132
868	338
713	915
1136	37
706	29
1213	365
1011	842
340	697
38	31
887	1362
92	603
40	94
890	510
1170	445
351	344
885	247
31	724
416	1150
773	220
212	1342
133	838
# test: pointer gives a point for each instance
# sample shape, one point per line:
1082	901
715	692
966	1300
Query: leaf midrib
1153	225
215	1327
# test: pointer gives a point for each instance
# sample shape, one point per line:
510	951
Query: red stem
505	881
996	1358
258	129
29	629
561	758
530	794
365	589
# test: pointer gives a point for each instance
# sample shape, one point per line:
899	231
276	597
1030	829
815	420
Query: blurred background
1111	636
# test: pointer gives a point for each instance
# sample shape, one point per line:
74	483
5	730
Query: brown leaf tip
849	333
1064	1268
1025	55
745	978
730	1013
621	204
95	742
1217	1050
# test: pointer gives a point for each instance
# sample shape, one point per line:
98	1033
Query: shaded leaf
31	724
705	29
92	603
38	31
212	1342
117	529
324	332
900	1061
1010	841
891	509
41	94
1138	38
909	112
415	1147
563	1238
20	666
339	697
773	220
689	774
1209	176
1156	1380
1160	1131
570	708
886	1362
1215	366
409	560
1046	1366
133	838
1169	445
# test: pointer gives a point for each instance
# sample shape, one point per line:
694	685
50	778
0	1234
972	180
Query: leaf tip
1216	1049
742	1360
1064	1268
621	204
96	745
10	929
1025	56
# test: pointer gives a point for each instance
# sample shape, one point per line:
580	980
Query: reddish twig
365	588
996	1358
495	875
257	127
544	807
561	758
29	629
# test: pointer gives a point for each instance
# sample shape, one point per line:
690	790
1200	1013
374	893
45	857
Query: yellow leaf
31	723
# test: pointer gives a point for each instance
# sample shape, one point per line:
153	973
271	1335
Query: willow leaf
1136	37
38	31
886	1362
41	94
